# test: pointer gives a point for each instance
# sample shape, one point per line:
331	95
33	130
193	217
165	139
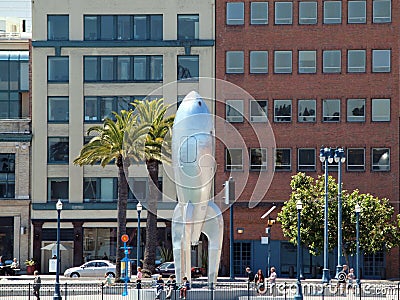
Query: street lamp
326	156
339	159
357	210
299	292
139	208
57	295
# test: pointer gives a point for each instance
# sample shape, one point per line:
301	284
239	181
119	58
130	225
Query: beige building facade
90	58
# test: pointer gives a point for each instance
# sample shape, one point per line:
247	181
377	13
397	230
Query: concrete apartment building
90	58
323	73
15	140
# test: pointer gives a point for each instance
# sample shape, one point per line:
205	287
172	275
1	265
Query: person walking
171	286
139	276
37	282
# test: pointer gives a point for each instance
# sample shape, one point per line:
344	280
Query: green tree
157	150
378	229
108	145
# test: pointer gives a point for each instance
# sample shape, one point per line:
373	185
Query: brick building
323	73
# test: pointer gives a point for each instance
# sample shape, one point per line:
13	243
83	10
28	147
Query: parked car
168	268
94	268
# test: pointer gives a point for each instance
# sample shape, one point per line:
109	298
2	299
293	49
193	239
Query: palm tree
109	145
157	151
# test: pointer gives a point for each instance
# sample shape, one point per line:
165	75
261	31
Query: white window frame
282	118
283	19
350	116
259	13
359	16
261	113
236	105
283	68
306	167
233	167
307	65
234	62
328	66
355	167
333	19
381	18
353	67
259	62
380	104
309	118
376	166
235	20
381	61
283	167
327	118
310	10
263	165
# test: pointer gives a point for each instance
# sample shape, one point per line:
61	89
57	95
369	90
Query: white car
94	268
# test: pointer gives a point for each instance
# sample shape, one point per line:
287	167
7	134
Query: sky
19	9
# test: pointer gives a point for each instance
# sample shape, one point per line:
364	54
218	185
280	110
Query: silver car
94	268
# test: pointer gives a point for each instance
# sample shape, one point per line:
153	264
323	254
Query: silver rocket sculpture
194	166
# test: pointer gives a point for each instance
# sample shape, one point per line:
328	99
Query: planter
30	270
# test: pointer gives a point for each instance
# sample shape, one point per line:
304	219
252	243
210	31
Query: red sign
125	238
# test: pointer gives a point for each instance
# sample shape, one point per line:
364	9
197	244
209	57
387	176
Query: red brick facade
367	85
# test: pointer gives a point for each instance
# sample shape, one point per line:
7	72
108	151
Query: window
355	159
283	13
380	159
188	67
124	68
307	62
306	159
282	110
381	61
99	108
234	159
331	110
382	11
138	188
283	62
234	13
188	27
90	28
148	27
100	189
355	110
332	61
58	109
258	110
332	12
124	28
307	12
283	160
234	111
258	62
7	175
58	27
380	110
258	159
259	13
57	189
356	12
234	62
58	69
58	150
306	110
356	61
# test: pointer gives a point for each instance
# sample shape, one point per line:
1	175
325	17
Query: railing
15	290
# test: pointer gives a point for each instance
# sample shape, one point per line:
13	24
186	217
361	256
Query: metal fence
205	291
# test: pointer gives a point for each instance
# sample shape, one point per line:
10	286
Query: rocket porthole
199	103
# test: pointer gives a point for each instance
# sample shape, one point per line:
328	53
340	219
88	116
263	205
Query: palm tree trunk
121	210
151	221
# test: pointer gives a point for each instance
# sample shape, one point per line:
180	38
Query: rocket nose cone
192	96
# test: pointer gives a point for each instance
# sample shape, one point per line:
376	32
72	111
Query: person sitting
259	279
14	264
159	286
184	288
171	286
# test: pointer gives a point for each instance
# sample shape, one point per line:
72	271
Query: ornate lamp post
139	208
357	210
326	156
57	295
299	292
339	159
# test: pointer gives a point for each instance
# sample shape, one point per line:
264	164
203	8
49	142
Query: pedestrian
259	280
159	286
108	278
250	274
171	286
36	284
342	277
139	276
350	280
184	288
272	280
